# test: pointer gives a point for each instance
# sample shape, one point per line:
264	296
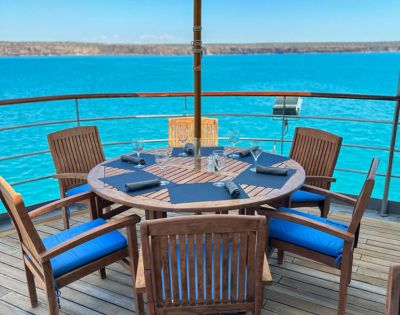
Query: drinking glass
256	153
138	145
183	136
234	137
162	160
219	163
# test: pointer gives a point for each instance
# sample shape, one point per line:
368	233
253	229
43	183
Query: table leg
99	207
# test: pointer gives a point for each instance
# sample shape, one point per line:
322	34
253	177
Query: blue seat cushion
306	196
86	252
77	190
308	237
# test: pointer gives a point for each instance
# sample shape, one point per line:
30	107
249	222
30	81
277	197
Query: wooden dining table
191	190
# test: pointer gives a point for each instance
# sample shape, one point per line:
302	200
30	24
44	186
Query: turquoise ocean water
347	73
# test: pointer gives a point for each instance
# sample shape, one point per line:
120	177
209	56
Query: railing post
185	108
78	120
385	199
283	123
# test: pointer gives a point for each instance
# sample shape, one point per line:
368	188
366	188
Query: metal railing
78	120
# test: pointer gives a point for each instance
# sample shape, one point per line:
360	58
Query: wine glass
138	145
219	163
234	137
256	152
162	160
183	136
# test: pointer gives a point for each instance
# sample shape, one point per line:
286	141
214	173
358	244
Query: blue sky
170	21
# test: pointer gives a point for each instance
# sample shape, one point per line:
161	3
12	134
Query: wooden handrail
190	94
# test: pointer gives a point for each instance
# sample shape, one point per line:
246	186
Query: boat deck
300	285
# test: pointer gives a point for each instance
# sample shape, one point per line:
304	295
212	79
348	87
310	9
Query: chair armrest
272	213
89	235
330	194
140	283
266	274
60	203
320	179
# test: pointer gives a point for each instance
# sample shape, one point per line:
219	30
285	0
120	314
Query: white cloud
163	38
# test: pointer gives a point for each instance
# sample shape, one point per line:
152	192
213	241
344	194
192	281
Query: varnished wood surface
36	258
167	239
300	286
350	237
209	130
393	291
317	151
180	170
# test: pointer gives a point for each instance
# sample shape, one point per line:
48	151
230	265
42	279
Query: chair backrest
30	241
197	262
209	130
364	197
75	150
393	291
317	151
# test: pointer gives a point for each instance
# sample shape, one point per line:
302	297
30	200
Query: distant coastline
98	49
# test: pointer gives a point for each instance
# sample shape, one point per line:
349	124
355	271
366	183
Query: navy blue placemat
266	159
119	181
247	177
149	158
197	192
205	151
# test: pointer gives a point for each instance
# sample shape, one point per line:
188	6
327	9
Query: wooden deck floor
300	286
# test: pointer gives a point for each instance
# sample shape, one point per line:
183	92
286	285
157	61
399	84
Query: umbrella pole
197	54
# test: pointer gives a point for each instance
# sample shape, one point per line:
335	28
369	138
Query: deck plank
300	286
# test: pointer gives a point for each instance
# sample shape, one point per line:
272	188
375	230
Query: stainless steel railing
78	120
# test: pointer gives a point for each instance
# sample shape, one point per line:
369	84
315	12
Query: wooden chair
182	254
69	255
317	151
393	291
320	239
75	152
209	130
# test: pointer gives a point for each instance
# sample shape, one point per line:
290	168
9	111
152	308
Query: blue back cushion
86	252
308	237
306	196
77	190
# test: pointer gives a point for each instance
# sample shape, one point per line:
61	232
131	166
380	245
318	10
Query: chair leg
324	208
103	273
93	208
133	258
30	279
281	255
64	215
345	275
50	289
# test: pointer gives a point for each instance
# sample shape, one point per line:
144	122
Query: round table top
180	170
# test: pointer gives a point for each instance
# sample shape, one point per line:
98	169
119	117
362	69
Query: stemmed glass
219	158
234	137
162	160
138	145
183	136
256	152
